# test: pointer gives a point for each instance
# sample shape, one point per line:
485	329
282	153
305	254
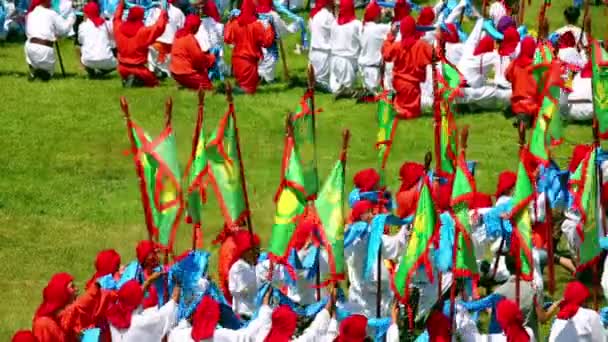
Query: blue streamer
443	255
107	282
488	26
374	243
91	335
496	226
355	231
604	316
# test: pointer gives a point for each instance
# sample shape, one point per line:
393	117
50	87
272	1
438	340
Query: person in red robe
189	64
410	57
248	36
519	73
147	256
407	196
133	40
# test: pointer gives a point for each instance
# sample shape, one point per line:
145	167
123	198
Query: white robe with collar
345	49
96	45
149	325
584	326
44	23
370	59
320	45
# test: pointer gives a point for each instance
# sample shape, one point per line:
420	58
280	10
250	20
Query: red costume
352	329
511	320
204	319
407	197
248	36
189	64
133	40
284	323
410	57
519	73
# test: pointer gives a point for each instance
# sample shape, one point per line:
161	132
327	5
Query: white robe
96	45
44	23
149	325
579	105
362	291
211	34
176	22
267	66
584	326
576	31
303	292
320	45
370	59
345	48
243	286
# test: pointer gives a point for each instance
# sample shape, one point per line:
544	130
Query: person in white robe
345	49
242	276
42	27
574	322
210	37
159	53
373	35
571	16
320	23
130	323
94	36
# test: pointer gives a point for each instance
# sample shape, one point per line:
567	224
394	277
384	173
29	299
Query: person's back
320	30
175	22
527	296
133	46
345	39
372	37
95	42
584	326
248	40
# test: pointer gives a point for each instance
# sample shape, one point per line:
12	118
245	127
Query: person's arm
201	61
78	315
117	21
481	304
62	27
473	39
597	328
168	313
229	32
456	13
147	35
266	37
388	47
282	27
509	76
393	245
545	316
238	282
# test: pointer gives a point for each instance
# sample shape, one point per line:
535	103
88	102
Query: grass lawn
67	191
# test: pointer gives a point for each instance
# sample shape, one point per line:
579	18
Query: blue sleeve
482	304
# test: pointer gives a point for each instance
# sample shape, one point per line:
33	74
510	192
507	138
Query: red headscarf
506	181
191	26
144	248
107	262
566	40
264	6
438	327
526	53
56	295
204	319
511	320
359	209
130	297
135	21
36	3
304	231
210	10
284	322
366	180
402	9
91	11
443	194
450	34
347	12
410	174
579	153
319	5
575	296
409	36
509	42
244	242
480	200
247	15
372	11
353	329
426	16
24	336
486	44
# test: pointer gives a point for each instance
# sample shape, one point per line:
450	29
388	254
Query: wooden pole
60	59
311	92
586	27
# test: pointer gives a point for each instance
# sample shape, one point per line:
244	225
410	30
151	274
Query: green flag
417	252
330	210
387	124
225	170
521	240
449	87
599	80
290	201
197	169
305	142
463	192
584	185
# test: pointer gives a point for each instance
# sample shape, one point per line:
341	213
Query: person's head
504	23
210	10
485	45
528	46
24	336
571	14
511	264
284	323
321	4
136	14
147	254
58	293
191	25
247	245
410	174
130	297
509	43
506	184
347	12
305	231
367	179
205	318
402	9
511	320
107	262
91	12
362	211
426	16
449	33
352	329
372	13
575	296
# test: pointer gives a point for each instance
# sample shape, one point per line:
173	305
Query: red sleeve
148	35
266	36
388	48
201	61
46	330
229	32
118	17
509	74
80	315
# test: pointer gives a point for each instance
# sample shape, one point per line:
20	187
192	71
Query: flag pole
196	226
522	141
124	105
230	100
311	92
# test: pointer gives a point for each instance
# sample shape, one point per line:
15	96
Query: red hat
486	44
347	12
264	6
511	320
24	336
359	209
304	231
210	10
144	249
575	295
450	34
247	15
244	242
438	327
205	318
426	16
91	11
480	200
402	10
319	5
134	21
353	329
284	322
366	180
56	295
407	200
107	262
409	35
526	52
580	152
566	40
191	25
506	181
410	174
509	42
130	296
372	11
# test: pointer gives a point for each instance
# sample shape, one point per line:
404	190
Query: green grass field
67	191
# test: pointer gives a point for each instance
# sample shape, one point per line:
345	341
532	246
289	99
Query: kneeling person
94	38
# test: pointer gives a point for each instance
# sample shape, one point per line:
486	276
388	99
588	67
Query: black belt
40	41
